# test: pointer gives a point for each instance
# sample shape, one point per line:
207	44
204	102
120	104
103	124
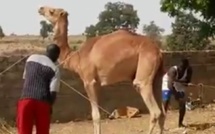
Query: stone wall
71	106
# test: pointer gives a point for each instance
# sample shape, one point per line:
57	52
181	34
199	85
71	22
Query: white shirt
178	86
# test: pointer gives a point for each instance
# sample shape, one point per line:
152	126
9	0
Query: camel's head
53	14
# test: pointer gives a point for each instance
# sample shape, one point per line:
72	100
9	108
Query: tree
115	16
187	34
203	7
90	31
153	31
1	33
46	29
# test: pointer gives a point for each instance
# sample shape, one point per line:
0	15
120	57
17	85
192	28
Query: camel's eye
51	12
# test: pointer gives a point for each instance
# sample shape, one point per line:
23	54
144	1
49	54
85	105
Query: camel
108	59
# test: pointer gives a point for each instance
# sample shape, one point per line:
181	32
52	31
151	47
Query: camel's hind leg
146	91
144	82
157	88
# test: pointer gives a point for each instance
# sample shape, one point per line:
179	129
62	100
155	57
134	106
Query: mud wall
71	106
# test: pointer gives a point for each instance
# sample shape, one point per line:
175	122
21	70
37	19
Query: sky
21	17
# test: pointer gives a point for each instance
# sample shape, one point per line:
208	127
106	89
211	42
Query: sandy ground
200	121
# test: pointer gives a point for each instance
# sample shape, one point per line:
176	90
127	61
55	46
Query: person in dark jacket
41	84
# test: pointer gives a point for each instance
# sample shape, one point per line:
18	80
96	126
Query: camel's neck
68	59
61	39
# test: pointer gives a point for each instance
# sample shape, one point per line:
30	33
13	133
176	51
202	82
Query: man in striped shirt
41	84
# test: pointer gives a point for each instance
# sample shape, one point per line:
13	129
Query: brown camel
112	58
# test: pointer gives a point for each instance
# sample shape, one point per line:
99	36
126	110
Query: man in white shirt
175	82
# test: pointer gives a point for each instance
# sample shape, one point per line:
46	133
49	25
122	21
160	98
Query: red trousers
30	112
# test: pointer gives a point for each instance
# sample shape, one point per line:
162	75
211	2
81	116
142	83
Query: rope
202	85
208	86
8	68
84	96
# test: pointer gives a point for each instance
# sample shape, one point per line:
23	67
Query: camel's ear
63	13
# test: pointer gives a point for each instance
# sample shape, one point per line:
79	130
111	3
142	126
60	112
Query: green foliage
203	7
115	16
90	31
1	33
187	34
46	29
153	31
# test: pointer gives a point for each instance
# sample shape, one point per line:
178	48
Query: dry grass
6	128
17	45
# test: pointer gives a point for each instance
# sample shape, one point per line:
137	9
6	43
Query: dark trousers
182	105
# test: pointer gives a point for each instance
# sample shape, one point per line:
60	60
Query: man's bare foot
182	126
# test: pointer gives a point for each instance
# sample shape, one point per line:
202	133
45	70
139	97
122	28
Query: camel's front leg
91	89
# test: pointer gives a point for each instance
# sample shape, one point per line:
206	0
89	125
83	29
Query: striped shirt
41	76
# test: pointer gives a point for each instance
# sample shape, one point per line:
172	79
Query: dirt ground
199	121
